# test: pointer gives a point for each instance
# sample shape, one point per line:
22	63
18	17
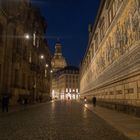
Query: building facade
58	62
23	70
67	83
110	69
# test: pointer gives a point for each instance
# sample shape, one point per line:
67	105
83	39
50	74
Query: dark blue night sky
68	19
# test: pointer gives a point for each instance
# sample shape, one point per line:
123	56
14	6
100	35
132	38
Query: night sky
68	20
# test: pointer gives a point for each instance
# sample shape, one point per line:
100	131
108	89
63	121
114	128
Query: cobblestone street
56	121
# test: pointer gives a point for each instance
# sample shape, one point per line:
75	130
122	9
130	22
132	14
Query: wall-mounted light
46	65
41	56
27	36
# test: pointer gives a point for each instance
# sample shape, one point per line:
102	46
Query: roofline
102	2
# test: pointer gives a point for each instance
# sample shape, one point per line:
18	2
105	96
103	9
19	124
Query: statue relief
130	33
136	27
137	4
119	39
106	53
110	50
92	72
125	37
97	67
135	20
100	63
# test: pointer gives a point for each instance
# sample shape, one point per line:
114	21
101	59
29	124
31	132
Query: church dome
58	61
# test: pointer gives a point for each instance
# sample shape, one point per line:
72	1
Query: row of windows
69	78
19	44
20	80
72	90
72	76
72	79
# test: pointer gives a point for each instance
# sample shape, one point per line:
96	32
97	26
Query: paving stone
56	121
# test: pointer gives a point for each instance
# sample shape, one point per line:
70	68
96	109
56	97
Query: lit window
45	73
66	89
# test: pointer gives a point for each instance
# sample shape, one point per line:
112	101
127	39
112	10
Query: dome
58	61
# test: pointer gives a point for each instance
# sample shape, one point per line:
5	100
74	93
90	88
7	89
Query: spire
58	48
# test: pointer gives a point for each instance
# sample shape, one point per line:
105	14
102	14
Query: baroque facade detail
113	54
58	61
66	83
22	72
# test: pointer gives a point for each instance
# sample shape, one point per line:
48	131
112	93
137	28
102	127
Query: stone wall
112	71
22	72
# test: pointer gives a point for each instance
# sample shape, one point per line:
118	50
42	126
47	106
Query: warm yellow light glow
73	96
27	36
86	105
42	56
66	89
46	65
53	95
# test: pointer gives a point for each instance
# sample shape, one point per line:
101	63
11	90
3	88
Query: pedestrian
24	102
94	101
5	103
85	99
40	98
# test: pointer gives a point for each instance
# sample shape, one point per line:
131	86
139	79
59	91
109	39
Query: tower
58	61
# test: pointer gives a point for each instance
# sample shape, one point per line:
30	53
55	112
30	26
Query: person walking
5	103
24	103
94	101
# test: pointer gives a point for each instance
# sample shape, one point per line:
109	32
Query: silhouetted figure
40	99
94	101
5	103
85	99
24	102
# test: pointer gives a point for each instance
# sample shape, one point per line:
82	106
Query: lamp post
43	66
46	65
41	56
27	36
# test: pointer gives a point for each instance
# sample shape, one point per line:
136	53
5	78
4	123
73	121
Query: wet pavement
127	124
61	120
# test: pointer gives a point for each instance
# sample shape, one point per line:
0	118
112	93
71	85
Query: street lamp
51	71
41	56
46	65
27	36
